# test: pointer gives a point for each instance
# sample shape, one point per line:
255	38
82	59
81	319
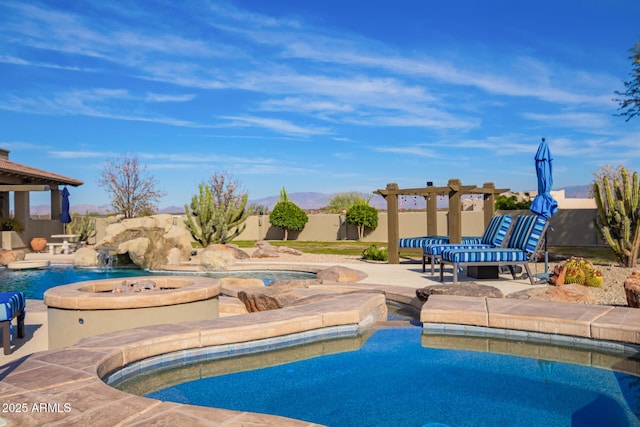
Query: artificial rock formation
151	242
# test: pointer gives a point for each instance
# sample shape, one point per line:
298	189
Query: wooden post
393	224
489	201
454	223
432	214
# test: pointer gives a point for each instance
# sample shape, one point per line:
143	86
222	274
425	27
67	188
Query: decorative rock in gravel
340	274
572	293
467	289
566	293
288	250
265	253
632	289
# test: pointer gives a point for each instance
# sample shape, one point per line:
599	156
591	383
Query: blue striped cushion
485	255
438	249
10	304
471	240
421	242
497	230
527	232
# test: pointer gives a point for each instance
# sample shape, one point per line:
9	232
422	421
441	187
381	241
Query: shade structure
544	204
65	218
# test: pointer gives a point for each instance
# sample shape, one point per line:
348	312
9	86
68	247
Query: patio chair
522	246
12	304
493	237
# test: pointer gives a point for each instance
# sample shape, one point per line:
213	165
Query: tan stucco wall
569	227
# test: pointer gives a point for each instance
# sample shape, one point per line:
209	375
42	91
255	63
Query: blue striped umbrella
544	204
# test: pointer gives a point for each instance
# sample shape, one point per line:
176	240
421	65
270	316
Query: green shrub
11	224
374	253
363	216
287	215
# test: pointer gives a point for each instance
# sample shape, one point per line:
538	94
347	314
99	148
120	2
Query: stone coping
69	381
621	324
99	295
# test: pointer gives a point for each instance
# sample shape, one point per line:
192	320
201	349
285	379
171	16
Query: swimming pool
35	282
396	380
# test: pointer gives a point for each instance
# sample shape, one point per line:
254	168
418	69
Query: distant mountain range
305	200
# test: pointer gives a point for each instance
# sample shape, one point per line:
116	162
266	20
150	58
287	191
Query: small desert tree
618	221
132	190
506	203
363	216
343	201
287	215
630	98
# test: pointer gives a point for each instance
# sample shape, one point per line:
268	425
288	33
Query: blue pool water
394	381
35	282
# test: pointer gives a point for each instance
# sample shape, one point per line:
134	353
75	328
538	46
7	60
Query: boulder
217	257
267	250
85	257
572	293
9	256
463	289
281	293
265	253
632	289
289	251
267	300
567	293
150	242
339	273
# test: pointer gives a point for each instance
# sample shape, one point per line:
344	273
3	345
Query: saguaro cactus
618	220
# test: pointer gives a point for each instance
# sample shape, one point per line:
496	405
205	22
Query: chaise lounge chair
12	304
493	237
522	245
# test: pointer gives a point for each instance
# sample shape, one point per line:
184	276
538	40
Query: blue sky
325	96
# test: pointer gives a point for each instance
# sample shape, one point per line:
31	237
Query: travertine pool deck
65	387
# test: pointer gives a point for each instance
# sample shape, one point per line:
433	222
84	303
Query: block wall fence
569	227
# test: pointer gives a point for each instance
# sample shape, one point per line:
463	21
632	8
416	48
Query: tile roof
13	169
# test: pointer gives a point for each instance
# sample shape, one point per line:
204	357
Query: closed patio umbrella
544	204
65	217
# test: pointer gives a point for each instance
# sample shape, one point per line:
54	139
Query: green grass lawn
595	254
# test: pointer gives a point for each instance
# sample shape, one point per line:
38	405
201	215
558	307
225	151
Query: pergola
454	190
21	180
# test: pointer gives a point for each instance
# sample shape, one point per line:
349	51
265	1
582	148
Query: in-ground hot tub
85	309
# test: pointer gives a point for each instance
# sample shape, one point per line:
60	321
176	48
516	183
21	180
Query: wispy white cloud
276	125
415	150
159	97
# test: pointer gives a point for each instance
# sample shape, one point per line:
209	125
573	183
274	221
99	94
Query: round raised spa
85	309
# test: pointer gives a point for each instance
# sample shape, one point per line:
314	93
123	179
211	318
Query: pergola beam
25	187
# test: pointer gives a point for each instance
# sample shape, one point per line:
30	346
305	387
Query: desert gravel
610	293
